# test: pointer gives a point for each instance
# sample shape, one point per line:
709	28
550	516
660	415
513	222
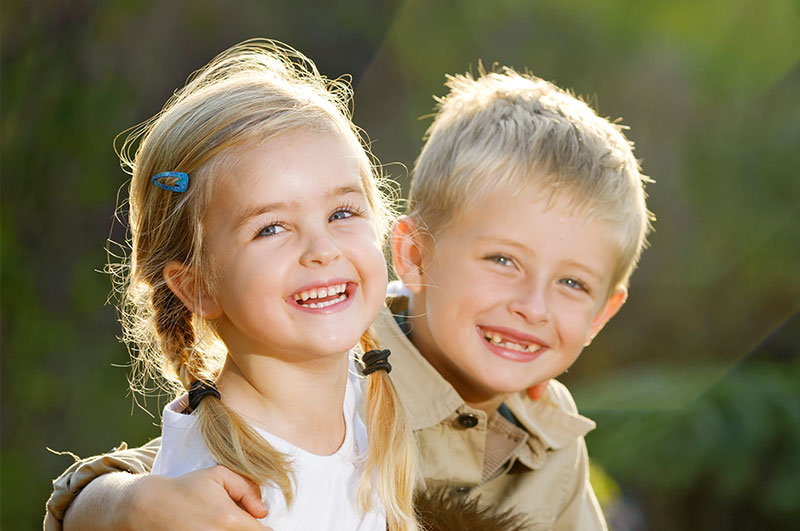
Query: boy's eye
271	230
574	284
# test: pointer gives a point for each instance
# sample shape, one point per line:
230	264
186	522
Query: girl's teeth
320	293
326	303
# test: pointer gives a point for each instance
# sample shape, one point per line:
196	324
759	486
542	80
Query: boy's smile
507	295
511	344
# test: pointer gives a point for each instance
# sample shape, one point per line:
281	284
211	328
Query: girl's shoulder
182	447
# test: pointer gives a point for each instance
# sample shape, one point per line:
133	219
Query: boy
526	217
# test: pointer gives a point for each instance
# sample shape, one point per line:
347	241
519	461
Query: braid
176	335
391	451
236	445
229	439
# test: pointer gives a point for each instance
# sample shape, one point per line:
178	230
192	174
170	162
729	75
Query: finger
243	491
537	391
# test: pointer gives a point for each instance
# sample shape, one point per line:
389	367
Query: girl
256	266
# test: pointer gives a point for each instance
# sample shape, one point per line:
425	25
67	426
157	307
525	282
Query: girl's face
300	271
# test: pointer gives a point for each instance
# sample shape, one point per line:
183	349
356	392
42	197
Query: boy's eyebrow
586	269
258	210
505	241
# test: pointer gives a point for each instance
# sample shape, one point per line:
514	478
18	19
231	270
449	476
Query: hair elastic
174	181
199	390
376	360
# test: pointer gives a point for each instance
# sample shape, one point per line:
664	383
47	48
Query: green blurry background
695	385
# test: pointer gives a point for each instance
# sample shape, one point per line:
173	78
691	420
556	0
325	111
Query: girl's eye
502	260
346	211
340	214
574	284
271	230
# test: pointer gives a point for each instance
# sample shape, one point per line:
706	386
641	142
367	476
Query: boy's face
507	296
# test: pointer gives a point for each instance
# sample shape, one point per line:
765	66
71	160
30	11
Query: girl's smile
299	268
331	297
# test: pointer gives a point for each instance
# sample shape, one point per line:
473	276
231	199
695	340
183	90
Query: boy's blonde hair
506	132
251	94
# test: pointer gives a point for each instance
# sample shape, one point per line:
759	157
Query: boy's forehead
508	217
514	198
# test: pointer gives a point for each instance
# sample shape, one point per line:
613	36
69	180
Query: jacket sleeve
581	510
68	485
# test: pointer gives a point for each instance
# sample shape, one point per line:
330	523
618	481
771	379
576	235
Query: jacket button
460	491
468	420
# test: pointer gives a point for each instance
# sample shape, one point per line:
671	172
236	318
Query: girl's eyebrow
258	210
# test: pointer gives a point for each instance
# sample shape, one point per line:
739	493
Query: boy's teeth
495	339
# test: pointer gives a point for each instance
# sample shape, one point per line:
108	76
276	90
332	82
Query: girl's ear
407	252
609	310
182	282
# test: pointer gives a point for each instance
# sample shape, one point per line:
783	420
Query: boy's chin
496	390
507	388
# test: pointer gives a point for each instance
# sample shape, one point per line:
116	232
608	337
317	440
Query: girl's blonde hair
252	93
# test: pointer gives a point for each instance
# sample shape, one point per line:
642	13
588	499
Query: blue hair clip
174	181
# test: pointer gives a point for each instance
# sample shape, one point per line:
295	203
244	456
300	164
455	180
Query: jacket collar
547	419
427	397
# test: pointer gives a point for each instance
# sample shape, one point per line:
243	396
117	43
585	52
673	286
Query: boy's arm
582	510
69	484
96	494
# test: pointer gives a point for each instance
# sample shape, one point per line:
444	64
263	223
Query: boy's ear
407	252
609	310
181	281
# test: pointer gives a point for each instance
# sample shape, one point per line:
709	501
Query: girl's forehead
287	173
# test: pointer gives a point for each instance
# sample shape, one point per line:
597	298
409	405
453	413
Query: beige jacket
540	468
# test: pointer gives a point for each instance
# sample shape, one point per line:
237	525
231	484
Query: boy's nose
531	304
320	250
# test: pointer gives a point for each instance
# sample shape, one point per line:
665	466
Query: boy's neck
298	402
487	406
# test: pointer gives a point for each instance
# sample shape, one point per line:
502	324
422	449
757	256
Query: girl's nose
320	250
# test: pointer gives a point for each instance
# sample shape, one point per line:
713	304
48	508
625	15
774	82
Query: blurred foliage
708	87
721	458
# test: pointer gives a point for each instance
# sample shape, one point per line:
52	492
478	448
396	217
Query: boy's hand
537	391
214	498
